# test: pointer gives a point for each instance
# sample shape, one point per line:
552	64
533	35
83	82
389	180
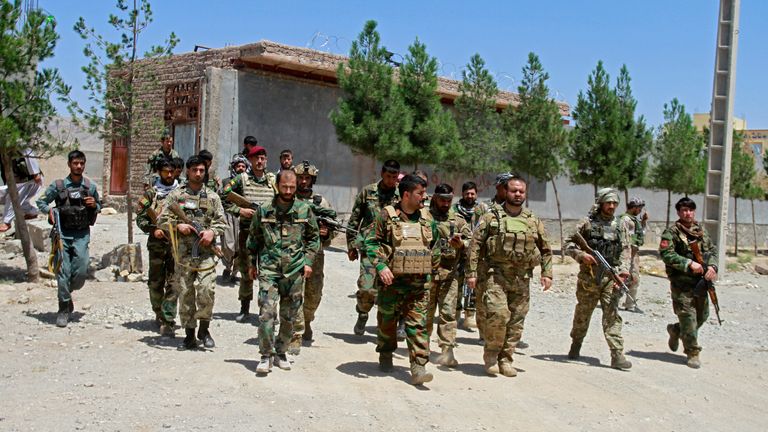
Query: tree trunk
131	95
669	206
735	227
560	220
626	196
30	256
754	225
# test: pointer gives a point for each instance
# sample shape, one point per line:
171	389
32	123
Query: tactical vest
512	239
70	201
257	192
196	206
604	238
410	243
448	254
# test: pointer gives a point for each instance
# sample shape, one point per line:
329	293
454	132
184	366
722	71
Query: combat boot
245	310
281	361
265	365
307	336
491	361
294	346
401	331
362	319
469	320
693	361
446	358
521	345
674	338
618	361
189	342
575	350
419	374
62	317
168	330
204	335
507	369
385	362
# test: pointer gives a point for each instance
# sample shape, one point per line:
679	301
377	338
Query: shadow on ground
160	342
665	357
12	273
50	317
142	325
250	365
353	338
563	358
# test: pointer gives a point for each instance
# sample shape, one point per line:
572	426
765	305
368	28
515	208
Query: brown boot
446	358
491	361
469	320
294	346
693	361
419	374
618	361
507	369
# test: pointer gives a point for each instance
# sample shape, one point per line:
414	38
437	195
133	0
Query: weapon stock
176	209
604	265
241	201
57	245
696	250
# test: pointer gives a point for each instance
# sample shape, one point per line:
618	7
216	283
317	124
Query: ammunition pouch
410	240
74	218
514	242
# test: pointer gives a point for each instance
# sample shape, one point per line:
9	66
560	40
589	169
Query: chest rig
411	254
71	204
512	239
447	229
603	236
197	207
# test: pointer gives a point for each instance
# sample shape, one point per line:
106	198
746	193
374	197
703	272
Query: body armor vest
513	239
410	243
257	192
196	206
70	201
604	238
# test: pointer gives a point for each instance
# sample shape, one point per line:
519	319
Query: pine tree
434	137
541	140
111	77
25	101
371	117
679	162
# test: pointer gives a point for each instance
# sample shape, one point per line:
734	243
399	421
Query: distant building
701	121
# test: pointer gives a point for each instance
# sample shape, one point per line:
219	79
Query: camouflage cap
605	195
166	133
636	201
503	178
306	168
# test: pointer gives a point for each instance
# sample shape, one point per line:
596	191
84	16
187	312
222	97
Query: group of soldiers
420	256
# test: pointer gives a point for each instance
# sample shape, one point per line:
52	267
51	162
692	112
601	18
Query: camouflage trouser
506	299
479	291
367	285
407	297
588	293
74	265
634	281
442	297
285	291
245	292
692	312
197	291
163	295
230	242
313	292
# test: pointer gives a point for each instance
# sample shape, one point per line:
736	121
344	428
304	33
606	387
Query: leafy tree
371	117
541	140
679	162
25	101
480	125
434	136
112	74
594	139
742	181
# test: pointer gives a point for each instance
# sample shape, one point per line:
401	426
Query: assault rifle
176	209
335	225
705	284
241	201
604	265
57	245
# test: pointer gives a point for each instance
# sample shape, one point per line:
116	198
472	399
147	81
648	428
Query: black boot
245	309
362	319
189	342
204	335
62	317
575	350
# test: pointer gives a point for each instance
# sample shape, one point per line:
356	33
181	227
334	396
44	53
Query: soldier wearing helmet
634	225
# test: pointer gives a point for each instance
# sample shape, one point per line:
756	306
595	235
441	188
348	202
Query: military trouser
479	291
313	292
230	243
245	292
442	298
506	299
197	290
74	265
588	293
163	295
286	291
367	285
634	278
407	297
692	312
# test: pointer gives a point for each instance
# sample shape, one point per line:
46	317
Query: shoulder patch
664	244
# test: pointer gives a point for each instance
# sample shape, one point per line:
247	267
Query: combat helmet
306	168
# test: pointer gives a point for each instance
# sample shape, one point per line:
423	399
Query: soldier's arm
235	185
542	242
479	238
255	241
331	233
354	218
465	230
48	197
709	251
218	221
95	194
311	240
375	242
572	248
142	218
668	253
626	252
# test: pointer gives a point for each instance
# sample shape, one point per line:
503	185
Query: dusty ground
109	370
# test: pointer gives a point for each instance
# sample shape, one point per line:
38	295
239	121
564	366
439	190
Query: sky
668	46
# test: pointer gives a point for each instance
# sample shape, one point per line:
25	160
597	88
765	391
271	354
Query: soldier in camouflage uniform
454	234
165	151
604	233
229	241
306	174
690	303
195	275
258	187
162	288
511	241
634	226
282	246
465	209
211	180
368	204
400	250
